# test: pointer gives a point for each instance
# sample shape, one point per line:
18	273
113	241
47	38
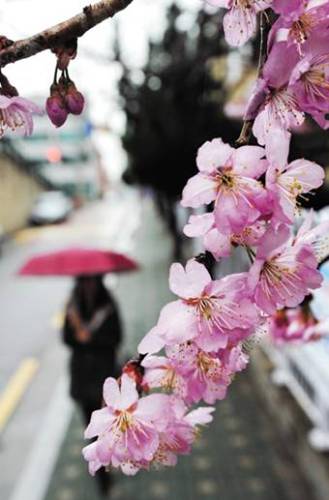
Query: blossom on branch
219	244
285	182
127	427
16	114
240	22
299	20
194	374
283	273
209	312
228	177
135	433
254	193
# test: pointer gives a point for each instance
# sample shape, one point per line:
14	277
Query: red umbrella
76	262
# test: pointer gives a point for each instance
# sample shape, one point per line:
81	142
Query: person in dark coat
92	330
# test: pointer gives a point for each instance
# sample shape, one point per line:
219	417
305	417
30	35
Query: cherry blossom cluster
136	432
15	111
252	194
295	77
203	332
293	326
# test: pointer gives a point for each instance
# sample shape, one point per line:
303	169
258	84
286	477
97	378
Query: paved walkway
237	457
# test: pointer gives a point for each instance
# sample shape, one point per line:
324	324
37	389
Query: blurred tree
172	111
176	103
170	114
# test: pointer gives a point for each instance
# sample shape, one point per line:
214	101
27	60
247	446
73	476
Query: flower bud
55	107
74	100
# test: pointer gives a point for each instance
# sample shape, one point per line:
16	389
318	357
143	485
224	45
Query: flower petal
111	393
198	191
307	173
217	243
100	420
178	321
198	225
129	394
247	162
239	25
152	342
213	155
188	283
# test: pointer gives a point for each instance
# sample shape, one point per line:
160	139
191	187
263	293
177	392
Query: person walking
92	330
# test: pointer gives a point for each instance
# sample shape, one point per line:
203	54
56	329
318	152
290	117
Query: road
32	358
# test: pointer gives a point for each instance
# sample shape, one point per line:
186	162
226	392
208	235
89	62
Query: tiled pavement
237	457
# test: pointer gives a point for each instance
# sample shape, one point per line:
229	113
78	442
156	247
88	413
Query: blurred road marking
33	482
53	232
57	321
29	234
16	388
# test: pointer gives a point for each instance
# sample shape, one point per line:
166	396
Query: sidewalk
237	458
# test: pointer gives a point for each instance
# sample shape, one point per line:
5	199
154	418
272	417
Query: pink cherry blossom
208	311
205	331
282	274
220	245
310	79
228	176
286	182
273	106
165	373
135	434
310	83
316	237
292	9
299	20
274	122
180	432
293	326
198	375
90	454
16	114
209	373
127	427
240	22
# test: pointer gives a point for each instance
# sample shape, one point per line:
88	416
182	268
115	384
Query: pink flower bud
74	100
55	107
56	110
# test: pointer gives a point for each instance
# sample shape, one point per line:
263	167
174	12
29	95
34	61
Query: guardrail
304	371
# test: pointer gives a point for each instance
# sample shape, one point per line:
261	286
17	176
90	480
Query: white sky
94	76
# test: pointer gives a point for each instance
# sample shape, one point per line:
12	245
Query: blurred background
159	80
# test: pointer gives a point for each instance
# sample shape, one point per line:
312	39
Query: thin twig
262	44
246	130
245	133
55	36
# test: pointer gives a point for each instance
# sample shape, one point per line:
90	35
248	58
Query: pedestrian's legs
103	478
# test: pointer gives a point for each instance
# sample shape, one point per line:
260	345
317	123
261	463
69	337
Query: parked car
51	207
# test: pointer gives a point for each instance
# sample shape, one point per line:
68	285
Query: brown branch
246	130
56	36
262	43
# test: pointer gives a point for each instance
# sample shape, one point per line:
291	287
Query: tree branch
56	36
246	130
